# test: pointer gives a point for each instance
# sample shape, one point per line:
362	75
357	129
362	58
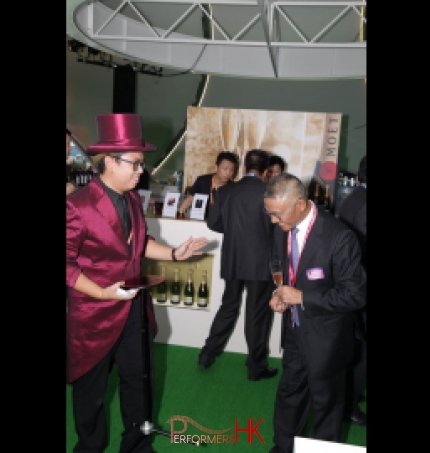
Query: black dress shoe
356	417
266	374
205	361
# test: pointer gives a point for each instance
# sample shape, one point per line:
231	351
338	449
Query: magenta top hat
119	133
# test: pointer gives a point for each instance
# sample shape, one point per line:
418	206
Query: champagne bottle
317	194
90	173
148	271
175	289
189	289
180	214
327	203
77	177
162	287
203	293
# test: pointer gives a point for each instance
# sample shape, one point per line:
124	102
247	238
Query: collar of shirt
303	226
111	193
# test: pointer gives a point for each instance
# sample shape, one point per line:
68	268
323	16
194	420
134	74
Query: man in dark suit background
237	213
317	307
353	212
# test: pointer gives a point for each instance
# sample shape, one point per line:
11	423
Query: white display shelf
189	326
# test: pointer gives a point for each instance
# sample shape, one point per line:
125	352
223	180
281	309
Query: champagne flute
276	270
277	274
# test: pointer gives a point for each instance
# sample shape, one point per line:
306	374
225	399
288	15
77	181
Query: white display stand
304	445
191	327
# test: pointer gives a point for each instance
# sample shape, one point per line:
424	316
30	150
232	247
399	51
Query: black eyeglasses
135	163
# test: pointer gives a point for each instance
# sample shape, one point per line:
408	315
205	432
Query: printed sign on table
198	208
170	205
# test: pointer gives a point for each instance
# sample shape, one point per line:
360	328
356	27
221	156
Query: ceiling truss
249	38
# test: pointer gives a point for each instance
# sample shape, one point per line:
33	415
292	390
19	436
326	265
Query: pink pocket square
315	274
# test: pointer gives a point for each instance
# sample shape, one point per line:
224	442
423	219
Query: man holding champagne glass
324	283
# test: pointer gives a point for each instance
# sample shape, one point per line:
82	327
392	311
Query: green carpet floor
213	398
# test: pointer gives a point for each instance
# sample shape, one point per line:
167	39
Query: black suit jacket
333	282
237	212
353	212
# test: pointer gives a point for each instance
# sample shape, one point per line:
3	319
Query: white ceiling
242	38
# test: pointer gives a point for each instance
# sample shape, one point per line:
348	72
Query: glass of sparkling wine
276	270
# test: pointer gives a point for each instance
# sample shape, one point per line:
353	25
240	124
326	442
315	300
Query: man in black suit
353	212
237	212
317	306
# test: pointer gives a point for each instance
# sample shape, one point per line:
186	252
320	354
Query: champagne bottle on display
175	289
189	289
162	287
90	173
327	204
180	214
203	293
148	271
317	194
77	177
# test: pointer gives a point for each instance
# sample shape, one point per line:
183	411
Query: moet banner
307	141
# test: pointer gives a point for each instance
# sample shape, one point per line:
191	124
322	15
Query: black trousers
258	322
88	391
356	372
356	376
298	392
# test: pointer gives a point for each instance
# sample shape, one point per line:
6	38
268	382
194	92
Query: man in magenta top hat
106	239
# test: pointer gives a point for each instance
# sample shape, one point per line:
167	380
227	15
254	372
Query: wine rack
197	264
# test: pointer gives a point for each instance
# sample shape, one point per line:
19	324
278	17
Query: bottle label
202	302
174	298
161	298
188	300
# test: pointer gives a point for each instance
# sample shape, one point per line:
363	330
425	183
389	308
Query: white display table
187	327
